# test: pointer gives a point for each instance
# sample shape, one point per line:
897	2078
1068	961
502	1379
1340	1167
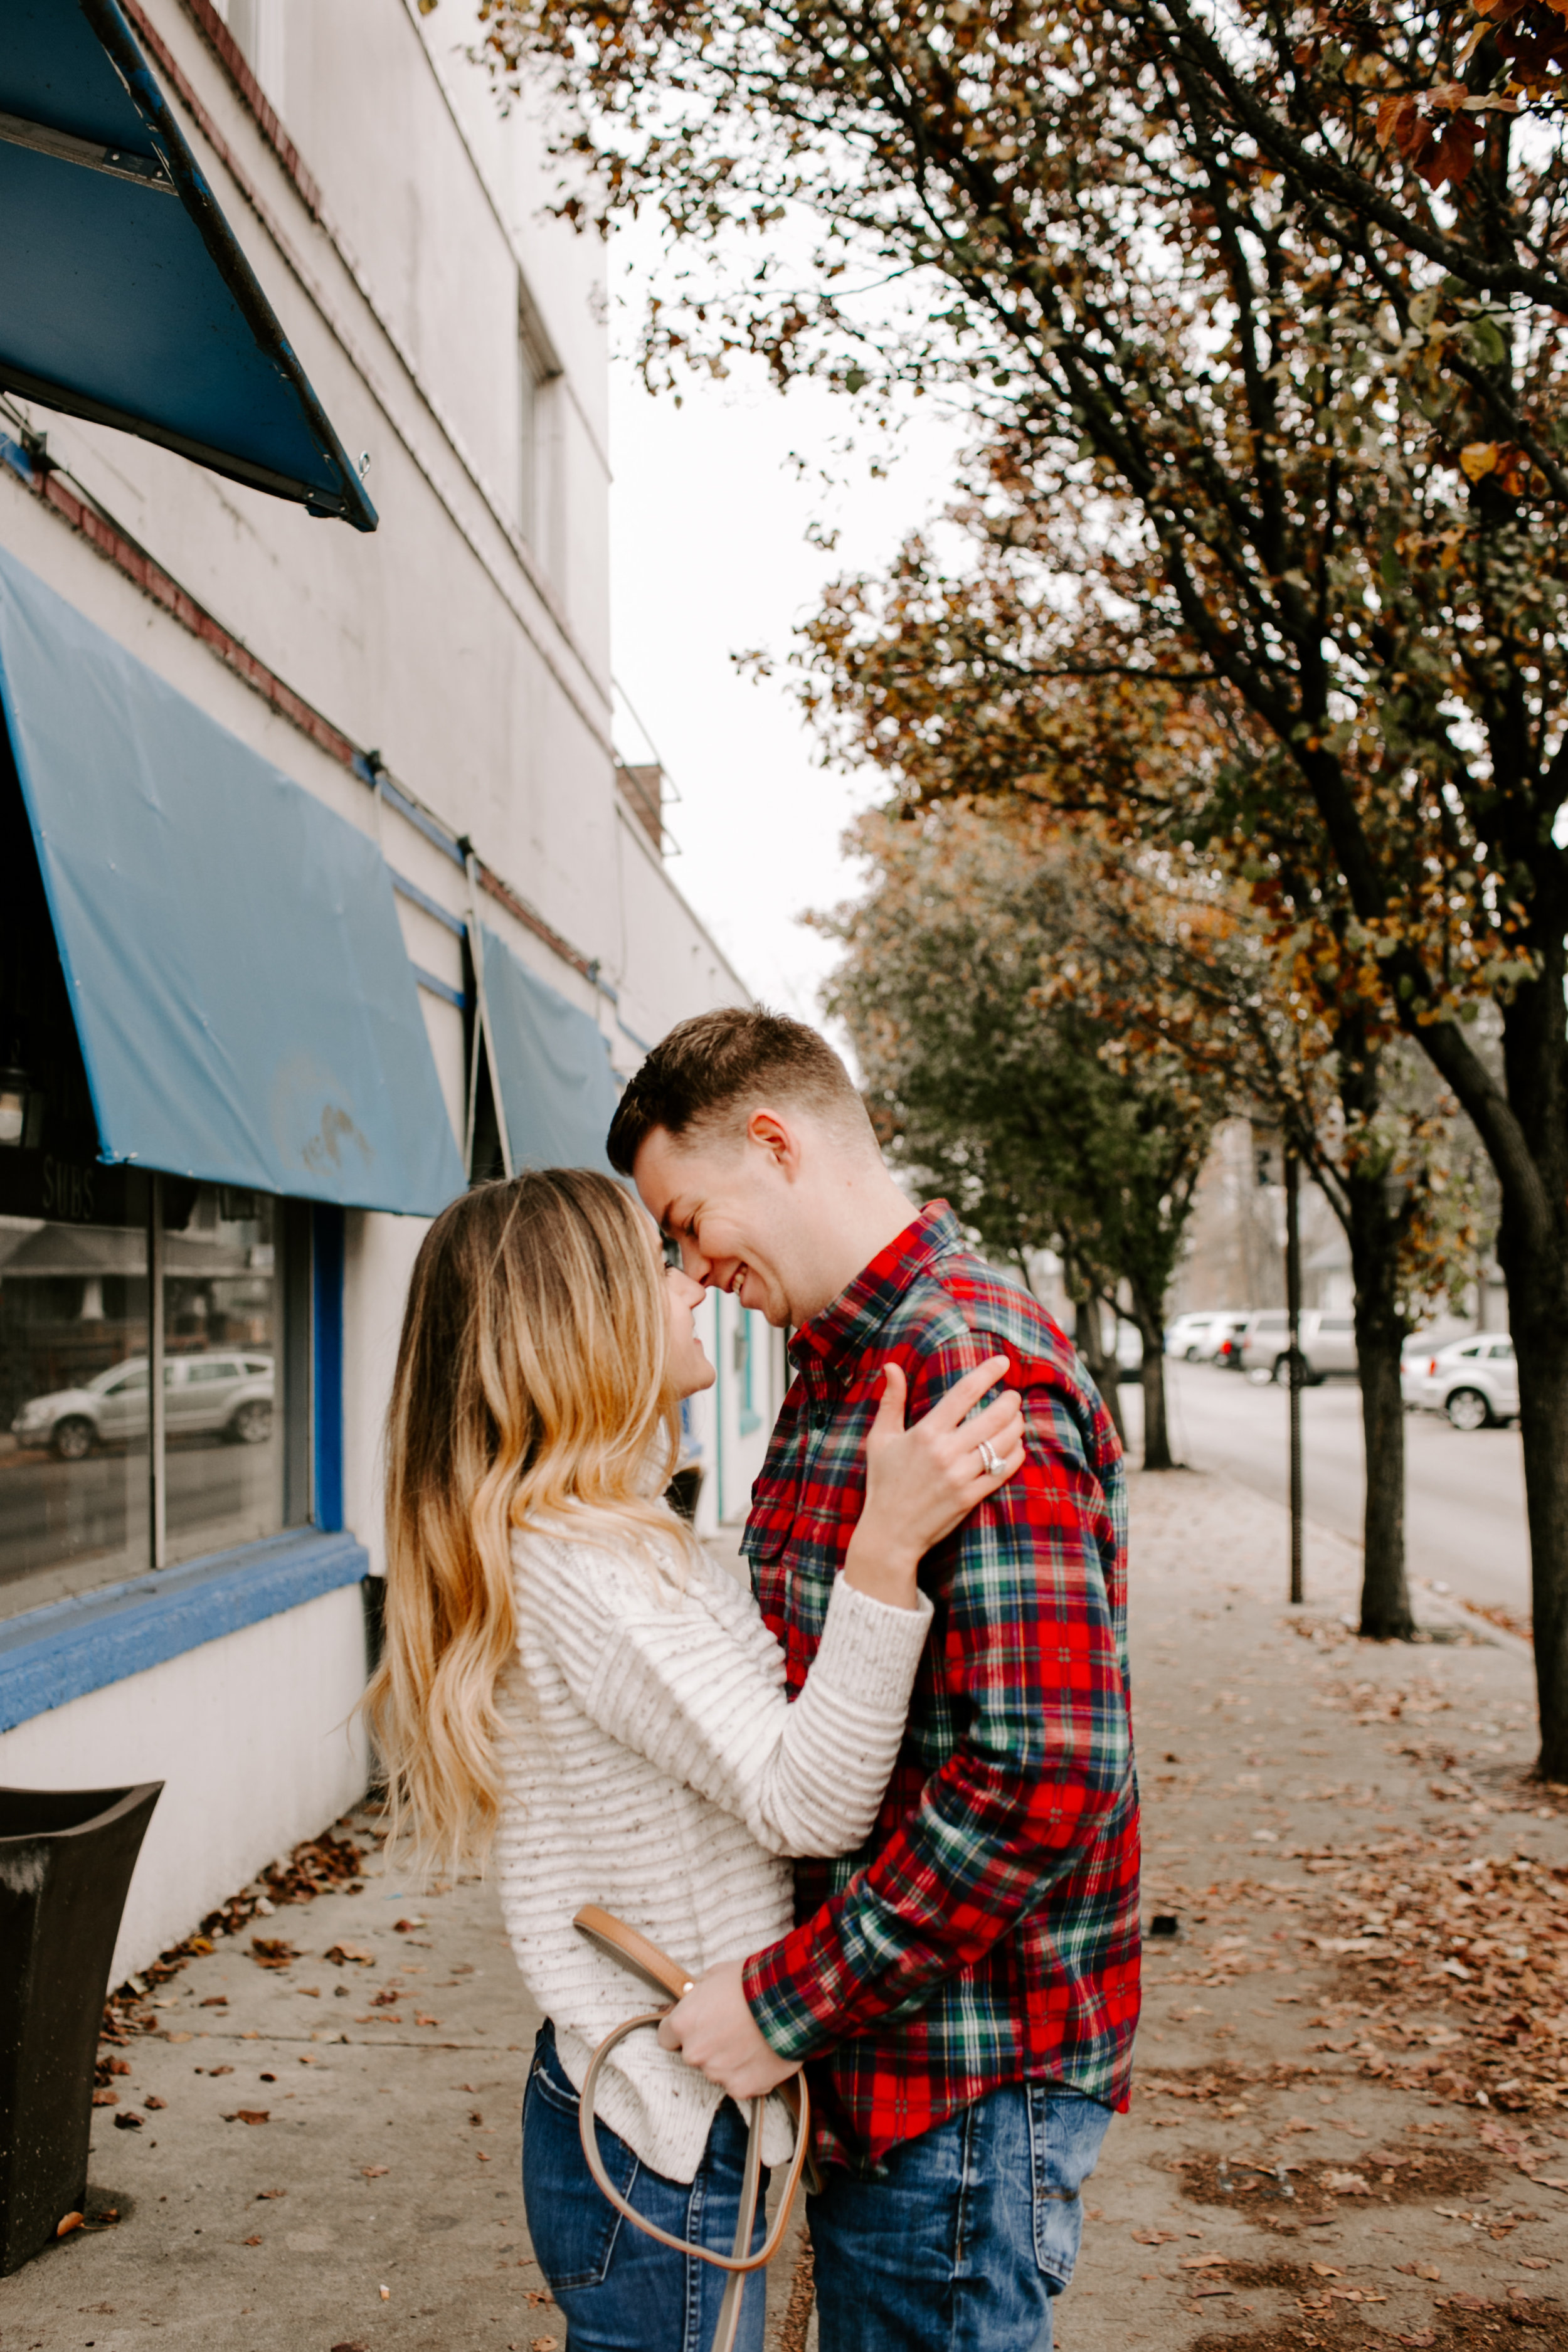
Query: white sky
709	558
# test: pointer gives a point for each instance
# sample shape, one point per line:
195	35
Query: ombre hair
532	1391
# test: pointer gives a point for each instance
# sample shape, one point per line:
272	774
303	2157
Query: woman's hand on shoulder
923	1481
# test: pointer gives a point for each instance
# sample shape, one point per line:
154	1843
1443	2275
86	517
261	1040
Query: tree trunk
1533	1248
1152	1379
1524	1127
1091	1343
1538	1317
1374	1233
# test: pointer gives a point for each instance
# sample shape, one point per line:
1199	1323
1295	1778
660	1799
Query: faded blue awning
124	296
552	1066
246	1007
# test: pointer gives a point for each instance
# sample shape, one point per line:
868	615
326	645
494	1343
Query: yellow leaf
1479	458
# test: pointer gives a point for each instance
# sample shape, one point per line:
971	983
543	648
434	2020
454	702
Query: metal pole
1293	1306
156	1415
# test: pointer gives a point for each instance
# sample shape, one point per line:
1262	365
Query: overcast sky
710	557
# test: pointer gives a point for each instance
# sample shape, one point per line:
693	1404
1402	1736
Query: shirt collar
845	1327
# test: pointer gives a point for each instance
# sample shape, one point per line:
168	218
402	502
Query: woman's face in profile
689	1367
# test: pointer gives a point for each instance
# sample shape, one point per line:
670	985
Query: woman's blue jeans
959	2240
619	2291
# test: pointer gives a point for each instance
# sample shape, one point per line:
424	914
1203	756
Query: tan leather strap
636	1951
633	1949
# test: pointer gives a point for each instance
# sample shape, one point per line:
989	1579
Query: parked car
226	1392
1327	1343
1197	1337
1475	1382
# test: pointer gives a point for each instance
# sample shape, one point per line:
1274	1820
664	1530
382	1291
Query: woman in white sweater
571	1682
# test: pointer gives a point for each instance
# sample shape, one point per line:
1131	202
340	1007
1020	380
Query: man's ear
778	1138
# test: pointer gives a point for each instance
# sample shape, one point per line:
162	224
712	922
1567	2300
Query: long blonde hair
532	1384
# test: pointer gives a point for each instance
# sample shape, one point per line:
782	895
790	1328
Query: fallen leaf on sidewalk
1422	2337
1419	2270
1152	2237
214	2000
66	2223
1201	2261
217	2070
374	2171
1347	2184
249	2115
128	2122
354	2345
342	1954
250	2242
153	2100
105	2098
271	1952
1327	2270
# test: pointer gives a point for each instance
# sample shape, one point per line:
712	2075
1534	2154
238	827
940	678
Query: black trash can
66	1860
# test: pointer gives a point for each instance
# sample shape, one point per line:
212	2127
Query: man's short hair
712	1071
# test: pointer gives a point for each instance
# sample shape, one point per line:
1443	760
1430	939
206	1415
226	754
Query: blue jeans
619	2291
959	2239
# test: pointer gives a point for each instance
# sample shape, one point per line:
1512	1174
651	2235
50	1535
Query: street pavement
1464	1491
376	2208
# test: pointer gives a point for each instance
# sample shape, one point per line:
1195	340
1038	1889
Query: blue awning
247	1010
124	296
552	1066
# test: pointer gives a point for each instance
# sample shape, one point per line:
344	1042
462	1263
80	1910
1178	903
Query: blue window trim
69	1648
327	1366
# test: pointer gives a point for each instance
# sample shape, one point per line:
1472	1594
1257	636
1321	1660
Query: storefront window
74	1487
84	1501
223	1419
86	1498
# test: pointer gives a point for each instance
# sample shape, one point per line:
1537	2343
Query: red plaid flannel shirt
987	1933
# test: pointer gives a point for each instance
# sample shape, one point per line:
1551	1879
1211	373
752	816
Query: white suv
1196	1336
1475	1382
1327	1343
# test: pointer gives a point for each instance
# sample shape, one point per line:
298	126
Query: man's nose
696	1262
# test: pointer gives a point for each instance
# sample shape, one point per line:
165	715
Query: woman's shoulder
631	1571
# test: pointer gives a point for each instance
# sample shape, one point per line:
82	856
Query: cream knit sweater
655	1766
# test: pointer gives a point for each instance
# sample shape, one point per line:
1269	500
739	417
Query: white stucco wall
253	1735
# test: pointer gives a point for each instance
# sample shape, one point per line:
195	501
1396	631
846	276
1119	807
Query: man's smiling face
728	1202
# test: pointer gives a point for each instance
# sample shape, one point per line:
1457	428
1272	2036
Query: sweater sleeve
695	1685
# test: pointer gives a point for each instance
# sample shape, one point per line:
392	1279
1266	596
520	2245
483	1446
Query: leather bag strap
636	1952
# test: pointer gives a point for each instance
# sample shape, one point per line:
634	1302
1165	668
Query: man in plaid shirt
965	1988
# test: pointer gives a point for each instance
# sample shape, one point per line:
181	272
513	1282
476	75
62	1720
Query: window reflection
222	1462
73	1408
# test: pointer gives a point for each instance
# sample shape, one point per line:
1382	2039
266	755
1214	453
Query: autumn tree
996	1079
957	684
1334	421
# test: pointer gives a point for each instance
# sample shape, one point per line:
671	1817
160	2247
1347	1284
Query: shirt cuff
782	2016
869	1650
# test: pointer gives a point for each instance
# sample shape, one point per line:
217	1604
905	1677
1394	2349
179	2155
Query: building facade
280	796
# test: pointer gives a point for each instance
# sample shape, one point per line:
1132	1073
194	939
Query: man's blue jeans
618	2291
963	2236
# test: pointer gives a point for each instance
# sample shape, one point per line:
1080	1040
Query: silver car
1475	1382
229	1393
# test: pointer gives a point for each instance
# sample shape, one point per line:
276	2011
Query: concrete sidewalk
327	2155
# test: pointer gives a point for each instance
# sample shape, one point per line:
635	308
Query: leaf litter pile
329	1864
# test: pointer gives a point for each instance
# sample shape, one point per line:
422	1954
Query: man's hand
715	2032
